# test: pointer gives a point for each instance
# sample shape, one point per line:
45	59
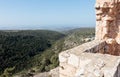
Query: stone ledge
71	56
90	64
93	46
86	64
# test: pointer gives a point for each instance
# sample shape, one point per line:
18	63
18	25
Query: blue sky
47	12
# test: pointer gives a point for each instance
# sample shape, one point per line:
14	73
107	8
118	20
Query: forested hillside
17	48
37	50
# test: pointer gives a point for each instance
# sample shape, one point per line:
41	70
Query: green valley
37	50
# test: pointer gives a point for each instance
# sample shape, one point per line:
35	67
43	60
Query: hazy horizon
55	28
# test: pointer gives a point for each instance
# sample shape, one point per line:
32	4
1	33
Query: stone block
73	60
68	70
63	57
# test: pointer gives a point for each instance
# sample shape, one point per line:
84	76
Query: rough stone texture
86	60
91	65
108	24
54	72
71	56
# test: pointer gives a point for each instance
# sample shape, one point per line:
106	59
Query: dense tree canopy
36	50
16	48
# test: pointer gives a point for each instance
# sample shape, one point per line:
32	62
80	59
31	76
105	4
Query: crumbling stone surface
86	60
108	24
90	65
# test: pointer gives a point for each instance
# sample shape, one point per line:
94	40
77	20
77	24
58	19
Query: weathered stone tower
86	60
108	24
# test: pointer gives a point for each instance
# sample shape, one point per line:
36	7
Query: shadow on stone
117	73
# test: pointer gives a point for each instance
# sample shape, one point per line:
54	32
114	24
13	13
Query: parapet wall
85	61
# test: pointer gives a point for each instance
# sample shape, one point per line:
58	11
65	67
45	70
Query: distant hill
38	49
40	27
77	36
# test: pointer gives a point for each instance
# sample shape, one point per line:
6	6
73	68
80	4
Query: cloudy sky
25	13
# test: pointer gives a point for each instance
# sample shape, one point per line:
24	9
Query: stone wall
108	24
107	19
85	61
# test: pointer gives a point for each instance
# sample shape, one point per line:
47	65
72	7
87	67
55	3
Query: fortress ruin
100	57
